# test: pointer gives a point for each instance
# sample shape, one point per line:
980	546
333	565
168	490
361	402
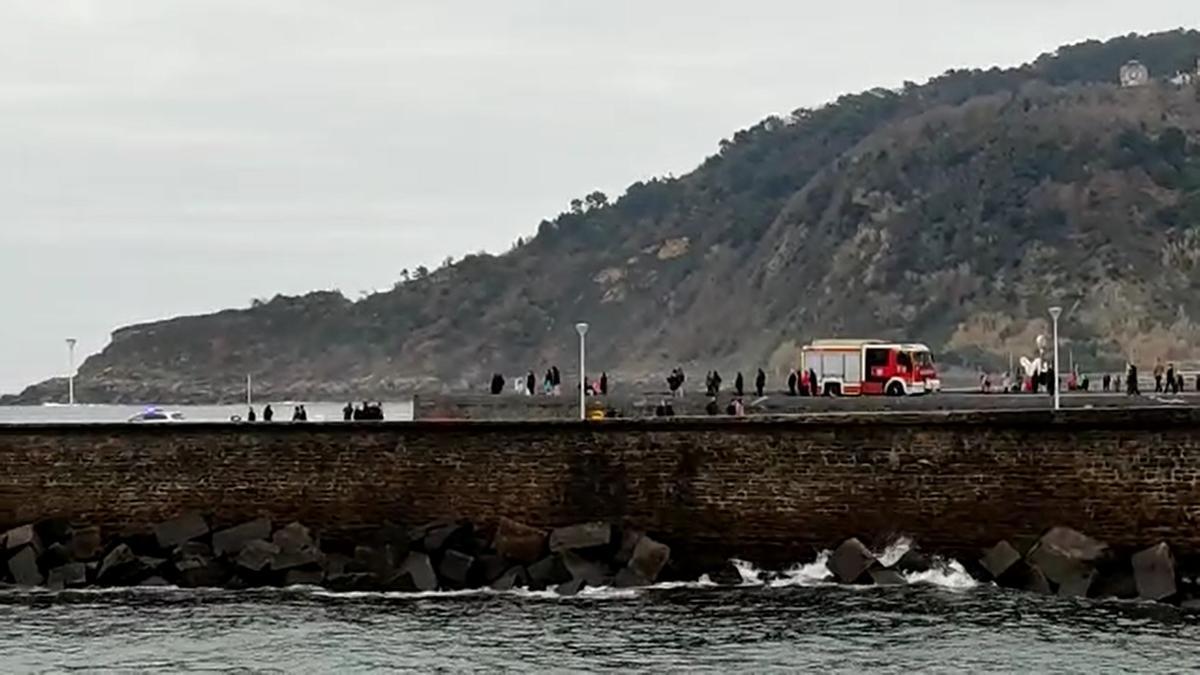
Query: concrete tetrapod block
1154	572
293	537
291	558
171	533
24	535
519	542
886	577
850	561
628	578
584	535
418	568
569	588
85	543
118	565
202	572
57	554
513	578
231	540
999	559
547	572
1077	586
629	541
456	567
24	569
649	557
580	568
1065	555
70	575
256	555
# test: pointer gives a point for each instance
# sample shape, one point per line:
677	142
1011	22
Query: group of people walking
551	384
299	414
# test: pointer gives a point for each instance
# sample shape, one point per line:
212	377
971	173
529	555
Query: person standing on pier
739	384
347	413
1158	375
791	382
1131	381
268	413
604	383
1105	382
250	416
557	380
760	382
530	384
1170	387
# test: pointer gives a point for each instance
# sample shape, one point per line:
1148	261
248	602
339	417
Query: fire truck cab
871	368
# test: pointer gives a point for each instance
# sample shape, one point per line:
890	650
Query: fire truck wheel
895	389
833	389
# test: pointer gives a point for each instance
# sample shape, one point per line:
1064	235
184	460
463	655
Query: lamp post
1055	312
582	329
71	371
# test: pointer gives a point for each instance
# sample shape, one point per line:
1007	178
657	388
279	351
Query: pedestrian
604	383
497	384
1131	381
530	384
303	414
1179	383
1170	386
814	386
1158	377
1105	382
792	381
557	377
760	382
347	412
268	413
739	384
716	383
250	416
296	413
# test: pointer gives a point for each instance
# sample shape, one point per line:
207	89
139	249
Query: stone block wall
769	490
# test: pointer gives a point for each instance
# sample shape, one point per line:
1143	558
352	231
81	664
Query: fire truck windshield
923	359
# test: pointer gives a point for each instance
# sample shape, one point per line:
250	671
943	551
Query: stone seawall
769	490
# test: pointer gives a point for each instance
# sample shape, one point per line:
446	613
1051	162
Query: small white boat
157	415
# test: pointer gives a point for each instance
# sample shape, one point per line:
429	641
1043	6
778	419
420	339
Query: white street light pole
1055	312
70	371
582	329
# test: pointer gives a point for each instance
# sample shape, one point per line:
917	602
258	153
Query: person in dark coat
604	384
760	382
347	413
739	385
1131	381
1171	387
497	384
813	386
530	383
250	416
296	414
791	382
268	413
303	414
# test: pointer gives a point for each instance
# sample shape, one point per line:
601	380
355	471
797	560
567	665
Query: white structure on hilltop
1134	74
1184	78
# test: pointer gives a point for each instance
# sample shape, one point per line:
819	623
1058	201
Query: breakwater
773	491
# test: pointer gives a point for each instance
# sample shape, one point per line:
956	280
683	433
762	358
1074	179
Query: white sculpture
1134	74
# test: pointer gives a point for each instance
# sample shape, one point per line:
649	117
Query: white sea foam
947	574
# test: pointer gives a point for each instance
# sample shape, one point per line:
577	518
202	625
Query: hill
953	212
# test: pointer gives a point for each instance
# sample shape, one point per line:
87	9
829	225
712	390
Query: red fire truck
871	367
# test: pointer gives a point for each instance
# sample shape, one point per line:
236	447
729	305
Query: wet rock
726	575
629	578
85	543
547	572
649	557
569	588
293	537
593	573
69	575
490	566
440	537
912	562
584	535
256	555
378	561
288	559
334	564
416	574
999	559
304	577
119	565
24	568
1154	572
1077	585
519	542
456	568
629	541
513	578
192	548
231	540
1035	581
202	572
24	535
850	561
353	581
886	577
1065	555
174	532
154	581
55	555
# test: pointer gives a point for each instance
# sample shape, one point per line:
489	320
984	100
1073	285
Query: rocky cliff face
954	212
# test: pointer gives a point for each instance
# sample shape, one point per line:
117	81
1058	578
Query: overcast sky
164	157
